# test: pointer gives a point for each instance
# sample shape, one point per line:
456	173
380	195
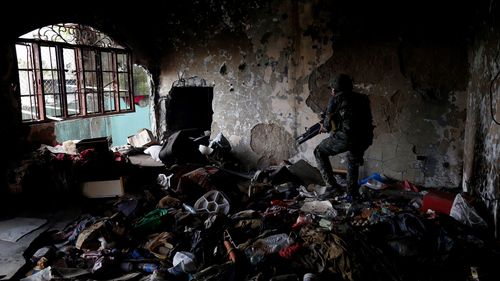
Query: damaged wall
268	63
248	58
482	133
270	67
417	93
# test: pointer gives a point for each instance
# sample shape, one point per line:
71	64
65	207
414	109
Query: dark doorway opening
189	107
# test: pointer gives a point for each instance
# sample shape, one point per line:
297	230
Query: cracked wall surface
267	141
482	134
418	109
269	61
250	67
273	67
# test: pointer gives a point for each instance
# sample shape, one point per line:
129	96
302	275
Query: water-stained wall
482	131
251	61
417	91
269	69
269	61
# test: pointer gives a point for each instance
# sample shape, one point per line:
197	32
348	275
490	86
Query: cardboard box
103	189
143	138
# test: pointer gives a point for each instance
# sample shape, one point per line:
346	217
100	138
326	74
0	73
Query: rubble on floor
212	222
208	224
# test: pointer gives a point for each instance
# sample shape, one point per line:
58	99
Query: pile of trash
208	222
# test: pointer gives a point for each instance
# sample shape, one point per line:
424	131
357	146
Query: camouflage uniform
352	132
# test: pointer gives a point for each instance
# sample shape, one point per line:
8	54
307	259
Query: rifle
313	131
309	134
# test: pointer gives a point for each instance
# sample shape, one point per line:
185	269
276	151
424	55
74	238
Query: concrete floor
11	254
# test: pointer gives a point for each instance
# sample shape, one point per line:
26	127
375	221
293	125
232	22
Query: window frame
39	91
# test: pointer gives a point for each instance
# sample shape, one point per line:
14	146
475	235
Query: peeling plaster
482	136
404	118
289	49
267	141
287	63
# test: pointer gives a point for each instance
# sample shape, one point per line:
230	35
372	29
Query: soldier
348	118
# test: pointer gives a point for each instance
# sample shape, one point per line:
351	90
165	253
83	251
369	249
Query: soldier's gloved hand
322	128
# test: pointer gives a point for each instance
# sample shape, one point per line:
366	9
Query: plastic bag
152	220
220	143
465	213
268	245
186	261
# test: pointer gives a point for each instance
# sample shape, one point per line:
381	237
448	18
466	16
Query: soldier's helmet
341	83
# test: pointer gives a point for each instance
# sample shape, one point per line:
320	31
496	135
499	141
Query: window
71	71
